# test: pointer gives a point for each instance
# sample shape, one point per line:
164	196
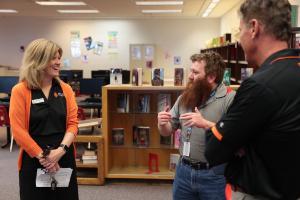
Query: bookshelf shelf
81	165
130	160
140	173
135	147
98	168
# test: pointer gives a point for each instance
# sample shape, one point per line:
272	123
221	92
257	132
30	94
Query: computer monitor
103	74
7	83
91	86
77	75
66	75
70	75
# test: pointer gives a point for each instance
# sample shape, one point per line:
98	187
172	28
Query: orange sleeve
216	133
72	120
19	121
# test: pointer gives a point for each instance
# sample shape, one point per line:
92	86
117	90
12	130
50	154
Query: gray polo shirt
212	110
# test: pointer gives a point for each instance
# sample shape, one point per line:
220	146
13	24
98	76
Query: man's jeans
207	184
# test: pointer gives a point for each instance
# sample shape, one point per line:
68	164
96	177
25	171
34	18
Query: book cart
133	146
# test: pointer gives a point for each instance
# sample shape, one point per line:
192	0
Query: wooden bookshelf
234	58
98	178
128	160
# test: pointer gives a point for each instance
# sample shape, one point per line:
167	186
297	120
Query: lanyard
188	134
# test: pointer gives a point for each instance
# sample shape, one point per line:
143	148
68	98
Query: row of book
246	72
89	156
141	137
157	78
143	102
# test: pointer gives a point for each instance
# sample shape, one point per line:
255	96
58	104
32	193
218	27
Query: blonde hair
37	57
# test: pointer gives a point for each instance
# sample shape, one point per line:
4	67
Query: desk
97	105
6	104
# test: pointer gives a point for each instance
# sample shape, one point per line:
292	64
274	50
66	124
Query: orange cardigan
19	113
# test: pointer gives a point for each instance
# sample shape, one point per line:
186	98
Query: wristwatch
65	147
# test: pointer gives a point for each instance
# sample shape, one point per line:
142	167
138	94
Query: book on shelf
143	103
87	157
227	76
123	103
117	136
246	72
178	76
88	152
163	100
157	77
174	159
89	122
141	136
91	161
137	76
177	138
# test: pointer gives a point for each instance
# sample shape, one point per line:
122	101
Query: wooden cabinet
127	159
91	174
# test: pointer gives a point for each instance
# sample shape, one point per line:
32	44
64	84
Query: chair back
4	118
80	114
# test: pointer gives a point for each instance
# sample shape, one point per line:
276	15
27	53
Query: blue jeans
207	184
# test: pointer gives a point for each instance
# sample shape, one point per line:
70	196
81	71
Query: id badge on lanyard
187	144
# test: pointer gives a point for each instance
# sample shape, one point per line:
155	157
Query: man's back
264	119
278	141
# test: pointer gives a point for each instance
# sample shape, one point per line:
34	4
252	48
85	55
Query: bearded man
205	93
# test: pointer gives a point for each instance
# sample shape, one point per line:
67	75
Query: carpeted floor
112	190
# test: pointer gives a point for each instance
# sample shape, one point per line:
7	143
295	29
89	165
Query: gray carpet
129	190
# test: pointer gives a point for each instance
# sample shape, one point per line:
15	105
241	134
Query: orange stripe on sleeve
216	133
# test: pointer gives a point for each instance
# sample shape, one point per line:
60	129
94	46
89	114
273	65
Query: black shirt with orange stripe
265	118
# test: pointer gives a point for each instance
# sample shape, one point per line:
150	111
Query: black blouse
48	116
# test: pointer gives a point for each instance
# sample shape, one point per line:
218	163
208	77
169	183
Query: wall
174	37
230	21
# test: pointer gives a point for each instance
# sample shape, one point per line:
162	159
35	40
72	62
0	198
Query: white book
89	157
89	161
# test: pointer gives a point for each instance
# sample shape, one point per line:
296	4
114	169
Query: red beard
196	93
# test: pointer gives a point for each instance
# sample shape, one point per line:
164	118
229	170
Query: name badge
186	148
36	101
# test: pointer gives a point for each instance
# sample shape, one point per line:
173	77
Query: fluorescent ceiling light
78	11
158	3
161	11
210	7
8	11
61	3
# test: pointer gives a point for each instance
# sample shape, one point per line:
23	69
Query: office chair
4	122
80	114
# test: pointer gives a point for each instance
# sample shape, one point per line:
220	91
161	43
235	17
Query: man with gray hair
259	136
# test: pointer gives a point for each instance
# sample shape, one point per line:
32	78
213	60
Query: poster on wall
112	39
149	52
75	44
66	64
88	41
177	60
136	53
98	48
84	58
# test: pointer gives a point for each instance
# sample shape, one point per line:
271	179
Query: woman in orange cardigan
43	115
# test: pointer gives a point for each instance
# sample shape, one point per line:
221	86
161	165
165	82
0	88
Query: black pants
27	174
